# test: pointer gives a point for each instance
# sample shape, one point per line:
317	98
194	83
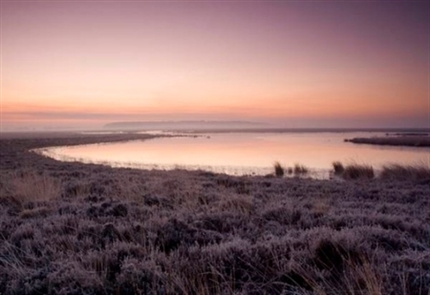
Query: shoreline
69	227
93	138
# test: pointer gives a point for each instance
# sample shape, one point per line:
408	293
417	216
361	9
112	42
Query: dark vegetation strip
414	141
73	228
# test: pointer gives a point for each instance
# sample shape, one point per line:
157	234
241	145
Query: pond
242	153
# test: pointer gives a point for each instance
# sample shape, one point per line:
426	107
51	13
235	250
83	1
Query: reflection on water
242	153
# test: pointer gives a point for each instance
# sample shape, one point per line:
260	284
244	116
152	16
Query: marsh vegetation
72	228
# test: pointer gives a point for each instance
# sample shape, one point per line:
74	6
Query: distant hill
183	125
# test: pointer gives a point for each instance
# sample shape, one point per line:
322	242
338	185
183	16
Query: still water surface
242	153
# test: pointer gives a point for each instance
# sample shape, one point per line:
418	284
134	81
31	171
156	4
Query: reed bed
420	171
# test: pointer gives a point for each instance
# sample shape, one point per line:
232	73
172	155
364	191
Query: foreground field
71	228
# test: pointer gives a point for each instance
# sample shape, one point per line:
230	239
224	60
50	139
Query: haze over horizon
293	64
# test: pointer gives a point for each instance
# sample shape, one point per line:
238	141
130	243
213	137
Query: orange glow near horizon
92	63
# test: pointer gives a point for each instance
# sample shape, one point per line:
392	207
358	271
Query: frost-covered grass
89	229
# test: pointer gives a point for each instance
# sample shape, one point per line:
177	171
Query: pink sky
296	64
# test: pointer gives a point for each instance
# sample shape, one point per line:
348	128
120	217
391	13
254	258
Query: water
242	153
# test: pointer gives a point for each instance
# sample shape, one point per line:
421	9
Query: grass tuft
300	169
338	168
357	171
30	186
279	170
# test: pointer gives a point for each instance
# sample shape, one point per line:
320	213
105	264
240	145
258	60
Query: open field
72	228
414	140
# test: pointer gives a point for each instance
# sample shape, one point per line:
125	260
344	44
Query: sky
294	64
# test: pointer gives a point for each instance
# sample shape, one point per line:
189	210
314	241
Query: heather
72	228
